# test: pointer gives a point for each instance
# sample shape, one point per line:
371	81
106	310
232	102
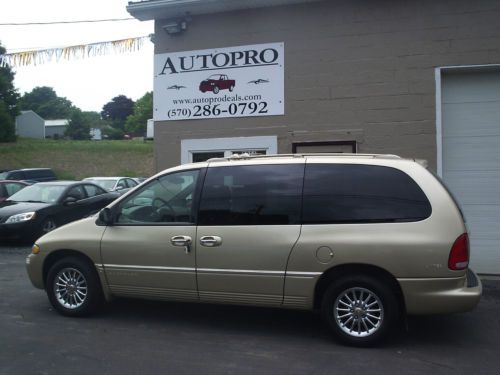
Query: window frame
98	189
364	221
195	202
300	195
352	144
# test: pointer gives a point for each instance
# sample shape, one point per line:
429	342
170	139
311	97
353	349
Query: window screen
342	193
252	195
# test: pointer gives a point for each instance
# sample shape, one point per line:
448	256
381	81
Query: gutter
169	9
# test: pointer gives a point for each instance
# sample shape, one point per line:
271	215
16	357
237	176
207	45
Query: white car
116	184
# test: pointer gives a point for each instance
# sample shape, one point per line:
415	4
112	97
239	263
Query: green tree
94	119
8	103
117	110
79	127
143	110
45	102
109	132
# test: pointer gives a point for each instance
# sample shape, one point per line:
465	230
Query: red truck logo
217	82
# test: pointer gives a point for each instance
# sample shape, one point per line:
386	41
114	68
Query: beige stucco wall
354	70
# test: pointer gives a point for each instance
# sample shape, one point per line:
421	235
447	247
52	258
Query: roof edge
168	9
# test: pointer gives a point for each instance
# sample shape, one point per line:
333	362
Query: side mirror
70	201
106	216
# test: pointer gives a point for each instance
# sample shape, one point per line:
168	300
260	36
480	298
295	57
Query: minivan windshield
39	193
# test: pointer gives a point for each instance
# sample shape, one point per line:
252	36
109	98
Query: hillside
79	159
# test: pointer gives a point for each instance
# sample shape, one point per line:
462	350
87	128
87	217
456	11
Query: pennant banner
37	57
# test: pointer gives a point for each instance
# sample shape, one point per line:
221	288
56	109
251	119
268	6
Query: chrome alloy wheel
70	288
358	312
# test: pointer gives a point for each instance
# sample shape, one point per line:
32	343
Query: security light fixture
175	27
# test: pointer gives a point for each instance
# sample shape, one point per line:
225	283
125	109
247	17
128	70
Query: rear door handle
210	241
184	241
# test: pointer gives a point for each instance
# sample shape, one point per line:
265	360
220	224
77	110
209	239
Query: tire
48	225
231	88
73	287
360	310
216	89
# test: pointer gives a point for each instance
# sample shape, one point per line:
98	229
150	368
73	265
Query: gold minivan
365	239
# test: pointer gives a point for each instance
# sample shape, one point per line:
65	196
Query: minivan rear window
351	193
252	195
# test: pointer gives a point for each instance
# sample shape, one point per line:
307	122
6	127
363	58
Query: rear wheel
73	287
360	310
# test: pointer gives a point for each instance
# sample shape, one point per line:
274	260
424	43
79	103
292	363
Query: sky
91	82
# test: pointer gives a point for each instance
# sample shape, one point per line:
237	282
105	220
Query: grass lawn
79	159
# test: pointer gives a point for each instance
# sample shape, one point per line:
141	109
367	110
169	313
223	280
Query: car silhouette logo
217	82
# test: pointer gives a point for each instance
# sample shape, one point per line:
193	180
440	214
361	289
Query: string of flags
42	56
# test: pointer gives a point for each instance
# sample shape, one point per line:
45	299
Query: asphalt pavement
143	337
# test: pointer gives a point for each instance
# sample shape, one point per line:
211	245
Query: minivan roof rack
246	156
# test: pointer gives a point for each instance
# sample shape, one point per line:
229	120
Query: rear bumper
441	296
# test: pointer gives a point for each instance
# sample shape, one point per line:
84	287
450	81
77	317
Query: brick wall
354	70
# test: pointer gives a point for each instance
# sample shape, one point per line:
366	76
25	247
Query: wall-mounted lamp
175	27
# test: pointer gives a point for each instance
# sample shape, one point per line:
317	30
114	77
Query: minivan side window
252	195
167	200
351	193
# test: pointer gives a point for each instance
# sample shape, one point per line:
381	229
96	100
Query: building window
195	150
325	147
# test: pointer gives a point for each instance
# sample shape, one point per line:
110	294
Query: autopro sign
214	83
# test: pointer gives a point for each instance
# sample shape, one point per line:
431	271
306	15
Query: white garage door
471	158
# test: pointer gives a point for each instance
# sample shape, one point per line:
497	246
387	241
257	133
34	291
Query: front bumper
441	295
34	267
18	230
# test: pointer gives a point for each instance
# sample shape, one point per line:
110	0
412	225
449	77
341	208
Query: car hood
9	208
84	232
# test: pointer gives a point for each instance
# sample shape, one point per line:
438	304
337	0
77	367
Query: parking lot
132	337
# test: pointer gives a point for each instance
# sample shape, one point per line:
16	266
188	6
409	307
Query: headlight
19	218
35	249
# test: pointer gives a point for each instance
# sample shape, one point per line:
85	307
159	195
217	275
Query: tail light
459	254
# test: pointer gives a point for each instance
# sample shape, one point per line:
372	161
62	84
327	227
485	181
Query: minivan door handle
210	241
184	241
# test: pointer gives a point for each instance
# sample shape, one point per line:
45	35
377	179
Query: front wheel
48	225
216	90
360	310
73	287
